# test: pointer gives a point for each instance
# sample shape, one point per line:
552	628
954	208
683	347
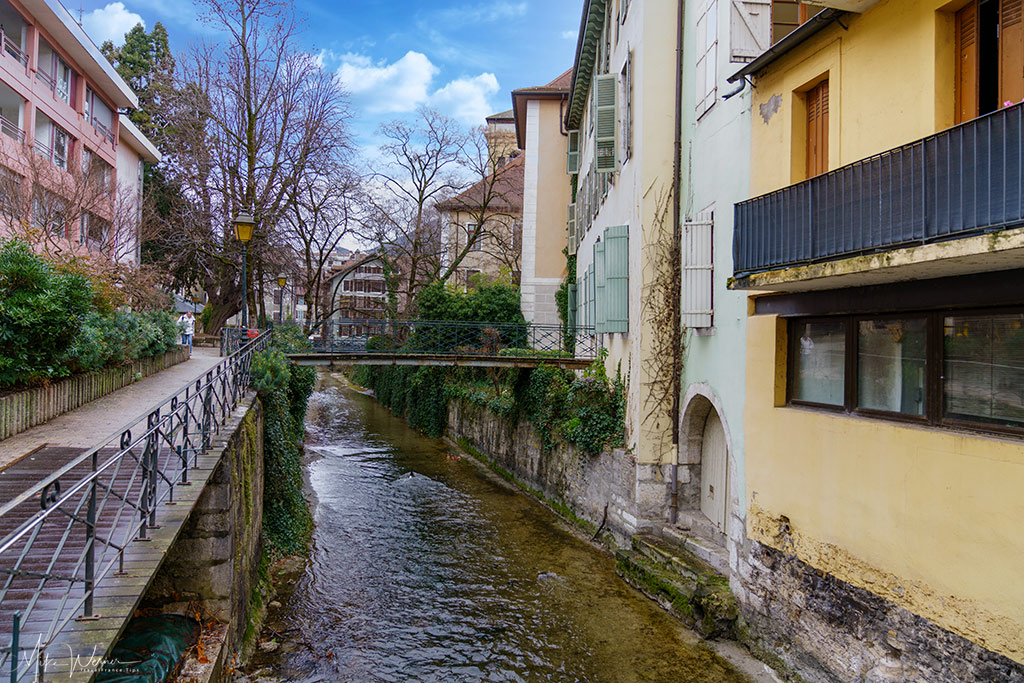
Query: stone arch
699	403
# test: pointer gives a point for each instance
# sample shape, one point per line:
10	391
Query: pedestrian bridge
449	344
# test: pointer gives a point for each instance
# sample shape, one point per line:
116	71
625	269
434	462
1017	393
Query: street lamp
281	280
244	225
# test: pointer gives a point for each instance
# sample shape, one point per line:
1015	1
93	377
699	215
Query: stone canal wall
565	476
215	565
25	409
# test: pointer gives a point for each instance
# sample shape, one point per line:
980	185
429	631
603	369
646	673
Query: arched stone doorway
703	474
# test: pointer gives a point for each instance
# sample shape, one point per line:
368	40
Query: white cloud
110	23
388	88
403	85
467	98
569	35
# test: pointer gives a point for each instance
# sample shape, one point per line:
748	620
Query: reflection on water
425	569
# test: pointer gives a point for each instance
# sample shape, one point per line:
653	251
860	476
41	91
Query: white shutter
707	57
698	271
606	128
571	242
572	156
750	29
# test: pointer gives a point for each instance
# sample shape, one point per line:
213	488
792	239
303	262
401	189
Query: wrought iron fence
68	533
524	340
965	180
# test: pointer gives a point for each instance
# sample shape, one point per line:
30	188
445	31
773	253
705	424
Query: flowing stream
426	568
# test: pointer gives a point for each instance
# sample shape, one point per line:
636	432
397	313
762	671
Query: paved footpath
95	421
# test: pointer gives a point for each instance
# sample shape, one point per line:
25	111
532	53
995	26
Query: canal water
425	568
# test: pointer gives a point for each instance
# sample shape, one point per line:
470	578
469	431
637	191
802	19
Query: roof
555	90
507	191
501	116
799	35
136	140
59	23
586	54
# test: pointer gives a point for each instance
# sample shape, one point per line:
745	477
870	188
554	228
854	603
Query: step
708	552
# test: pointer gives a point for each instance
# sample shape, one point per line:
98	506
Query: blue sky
462	57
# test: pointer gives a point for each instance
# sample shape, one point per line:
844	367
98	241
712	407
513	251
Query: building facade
71	179
882	252
538	113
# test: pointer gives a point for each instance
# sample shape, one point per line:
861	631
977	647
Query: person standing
187	323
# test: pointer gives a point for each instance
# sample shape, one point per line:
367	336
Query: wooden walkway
46	603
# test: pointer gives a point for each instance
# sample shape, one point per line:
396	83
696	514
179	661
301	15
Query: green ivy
284	391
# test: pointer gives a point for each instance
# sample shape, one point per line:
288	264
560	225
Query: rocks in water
269	645
547	575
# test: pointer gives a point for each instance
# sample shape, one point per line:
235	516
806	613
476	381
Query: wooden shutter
606	126
570	306
1011	51
599	287
967	63
817	129
572	156
571	220
591	294
698	271
750	29
616	276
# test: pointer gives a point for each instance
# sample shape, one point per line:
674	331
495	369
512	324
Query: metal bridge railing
426	337
68	533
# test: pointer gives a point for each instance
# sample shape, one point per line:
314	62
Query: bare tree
256	119
421	167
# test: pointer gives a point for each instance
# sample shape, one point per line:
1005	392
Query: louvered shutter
571	221
599	287
1011	51
581	299
591	294
698	271
616	276
750	29
570	307
572	156
817	129
967	63
606	129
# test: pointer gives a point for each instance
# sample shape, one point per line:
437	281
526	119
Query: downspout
677	240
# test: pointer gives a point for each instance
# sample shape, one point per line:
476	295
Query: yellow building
883	250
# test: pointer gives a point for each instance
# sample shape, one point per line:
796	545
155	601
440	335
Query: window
944	368
786	16
627	107
707	56
606	90
989	57
64	81
817	129
471	233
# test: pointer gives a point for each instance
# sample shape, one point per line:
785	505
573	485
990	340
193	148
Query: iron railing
68	533
456	339
11	129
966	180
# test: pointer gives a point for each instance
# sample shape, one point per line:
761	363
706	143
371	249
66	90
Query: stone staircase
677	578
697	534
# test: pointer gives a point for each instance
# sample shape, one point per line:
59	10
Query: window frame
935	409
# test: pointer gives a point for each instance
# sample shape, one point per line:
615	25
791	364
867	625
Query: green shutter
591	305
571	224
572	156
616	276
606	127
599	287
570	307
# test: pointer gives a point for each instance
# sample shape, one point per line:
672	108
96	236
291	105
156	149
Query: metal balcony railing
103	131
67	535
966	180
11	129
13	49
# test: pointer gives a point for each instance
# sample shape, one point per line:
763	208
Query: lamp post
244	225
281	280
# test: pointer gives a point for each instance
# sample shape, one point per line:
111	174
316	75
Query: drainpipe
677	239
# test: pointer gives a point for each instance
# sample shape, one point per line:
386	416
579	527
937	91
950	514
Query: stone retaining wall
26	409
215	562
584	484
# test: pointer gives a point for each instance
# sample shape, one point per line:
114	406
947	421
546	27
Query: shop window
891	365
819	360
983	368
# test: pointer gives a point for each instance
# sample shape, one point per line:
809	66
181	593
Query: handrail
117	501
11	129
13	49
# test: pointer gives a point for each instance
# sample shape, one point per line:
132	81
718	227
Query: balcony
949	204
